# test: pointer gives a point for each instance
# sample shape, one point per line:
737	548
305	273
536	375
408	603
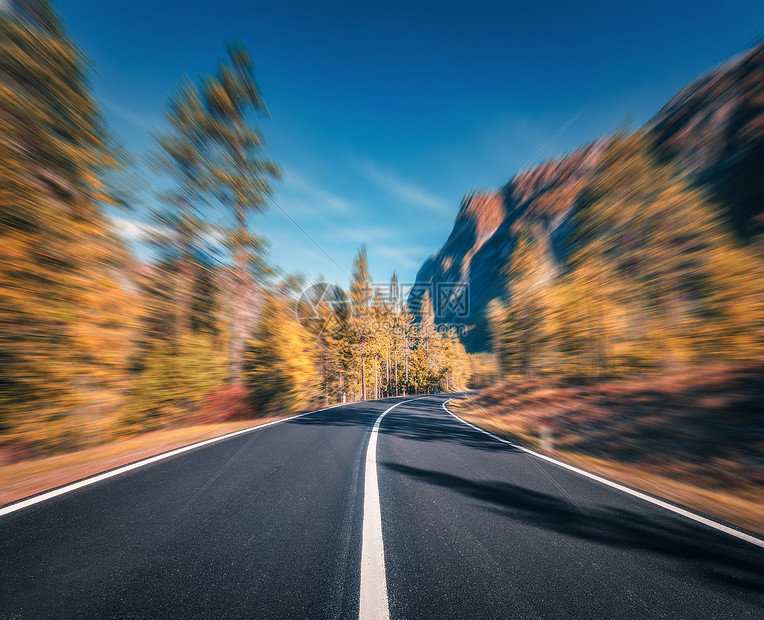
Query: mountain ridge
713	128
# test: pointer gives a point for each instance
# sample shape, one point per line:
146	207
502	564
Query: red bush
226	404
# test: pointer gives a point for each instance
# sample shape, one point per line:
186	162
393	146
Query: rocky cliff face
713	128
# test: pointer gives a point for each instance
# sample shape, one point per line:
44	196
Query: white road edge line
121	470
373	595
681	511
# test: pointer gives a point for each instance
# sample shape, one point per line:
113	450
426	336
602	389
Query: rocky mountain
714	130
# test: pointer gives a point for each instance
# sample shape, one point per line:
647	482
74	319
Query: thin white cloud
366	234
317	196
410	257
128	115
134	230
404	191
142	232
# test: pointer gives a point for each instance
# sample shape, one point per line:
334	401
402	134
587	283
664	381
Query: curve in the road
643	496
463	526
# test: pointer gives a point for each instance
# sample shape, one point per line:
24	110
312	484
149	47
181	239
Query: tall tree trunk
395	370
185	275
241	298
363	376
376	382
406	363
176	310
326	379
187	294
387	371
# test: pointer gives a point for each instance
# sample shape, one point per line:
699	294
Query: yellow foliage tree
65	306
281	365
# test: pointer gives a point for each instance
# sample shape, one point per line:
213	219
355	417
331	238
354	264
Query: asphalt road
270	524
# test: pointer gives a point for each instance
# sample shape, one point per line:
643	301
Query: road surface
277	522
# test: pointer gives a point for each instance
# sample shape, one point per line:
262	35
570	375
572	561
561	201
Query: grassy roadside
722	482
29	477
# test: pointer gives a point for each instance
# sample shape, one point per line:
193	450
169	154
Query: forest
651	279
96	344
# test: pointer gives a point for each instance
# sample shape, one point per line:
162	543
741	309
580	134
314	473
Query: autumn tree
455	369
172	373
180	358
184	217
281	360
237	172
531	276
361	328
427	356
65	319
659	244
651	278
322	309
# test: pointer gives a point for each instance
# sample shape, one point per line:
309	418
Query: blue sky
384	114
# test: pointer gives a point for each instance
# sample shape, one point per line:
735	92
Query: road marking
653	500
373	596
121	470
